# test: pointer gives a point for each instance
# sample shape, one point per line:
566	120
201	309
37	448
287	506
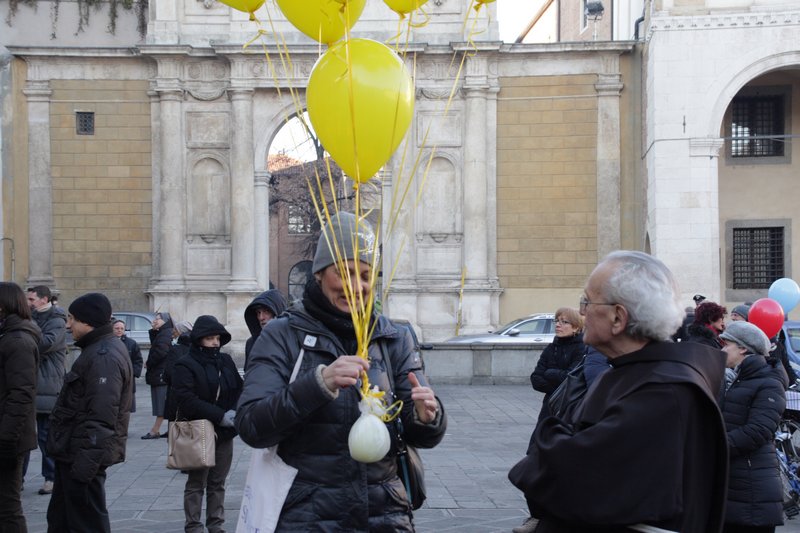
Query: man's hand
344	372
424	401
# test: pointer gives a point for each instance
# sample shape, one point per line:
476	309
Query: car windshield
532	326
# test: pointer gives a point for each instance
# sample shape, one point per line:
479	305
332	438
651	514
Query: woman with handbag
206	385
309	416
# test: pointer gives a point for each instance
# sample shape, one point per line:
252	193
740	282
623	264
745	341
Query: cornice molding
726	20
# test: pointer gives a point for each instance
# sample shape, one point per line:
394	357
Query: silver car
538	328
137	325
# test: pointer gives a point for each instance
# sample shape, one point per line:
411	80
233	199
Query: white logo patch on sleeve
103	380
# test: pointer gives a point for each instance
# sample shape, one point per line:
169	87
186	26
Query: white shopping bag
268	482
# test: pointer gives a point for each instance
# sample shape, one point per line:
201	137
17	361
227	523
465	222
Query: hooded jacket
160	342
205	383
653	412
89	423
332	491
558	358
52	356
752	409
272	300
19	355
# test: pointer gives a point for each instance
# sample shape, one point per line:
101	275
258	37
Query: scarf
337	321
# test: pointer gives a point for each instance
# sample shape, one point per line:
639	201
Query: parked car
791	332
137	325
531	329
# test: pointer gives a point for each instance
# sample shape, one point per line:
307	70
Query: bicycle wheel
791	446
791	498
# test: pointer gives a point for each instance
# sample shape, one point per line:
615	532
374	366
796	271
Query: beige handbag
192	445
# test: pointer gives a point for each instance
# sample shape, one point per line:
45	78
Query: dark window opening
84	122
298	277
757	126
300	222
758	257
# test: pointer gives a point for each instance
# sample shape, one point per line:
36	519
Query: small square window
758	257
84	122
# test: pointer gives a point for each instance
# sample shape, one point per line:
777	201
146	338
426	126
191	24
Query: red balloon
767	314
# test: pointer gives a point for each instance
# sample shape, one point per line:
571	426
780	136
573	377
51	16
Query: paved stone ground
468	491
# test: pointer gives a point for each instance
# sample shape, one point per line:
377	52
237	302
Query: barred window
757	126
758	257
84	122
299	221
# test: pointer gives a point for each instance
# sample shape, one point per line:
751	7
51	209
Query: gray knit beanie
741	310
341	234
748	336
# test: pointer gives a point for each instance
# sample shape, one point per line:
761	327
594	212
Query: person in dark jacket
19	357
261	310
206	385
160	342
310	418
752	408
180	348
52	321
89	424
647	447
135	354
709	322
560	356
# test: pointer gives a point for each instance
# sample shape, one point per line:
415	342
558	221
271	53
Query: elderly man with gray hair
646	450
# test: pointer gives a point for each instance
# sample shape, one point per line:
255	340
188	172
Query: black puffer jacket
272	300
176	351
19	356
703	335
89	423
558	358
197	377
752	408
160	342
332	491
52	357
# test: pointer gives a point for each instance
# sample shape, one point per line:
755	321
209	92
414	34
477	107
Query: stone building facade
548	157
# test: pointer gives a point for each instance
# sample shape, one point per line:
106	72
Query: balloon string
377	397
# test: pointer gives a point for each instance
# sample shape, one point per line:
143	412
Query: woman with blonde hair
560	356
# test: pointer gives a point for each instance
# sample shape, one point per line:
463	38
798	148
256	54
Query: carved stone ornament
208	4
207	94
434	93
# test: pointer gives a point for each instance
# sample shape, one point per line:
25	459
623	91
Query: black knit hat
93	309
208	326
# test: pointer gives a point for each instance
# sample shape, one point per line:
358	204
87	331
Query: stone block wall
102	205
546	181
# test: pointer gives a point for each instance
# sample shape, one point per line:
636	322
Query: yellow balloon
361	138
404	7
248	6
322	20
480	3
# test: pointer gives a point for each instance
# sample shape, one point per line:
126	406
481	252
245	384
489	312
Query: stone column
40	185
155	186
475	185
173	184
261	223
243	260
608	89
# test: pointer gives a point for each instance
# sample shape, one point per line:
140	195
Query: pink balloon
767	314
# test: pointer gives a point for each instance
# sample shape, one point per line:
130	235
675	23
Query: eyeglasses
563	323
584	303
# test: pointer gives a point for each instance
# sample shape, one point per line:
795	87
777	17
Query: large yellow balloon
322	20
404	7
248	6
363	137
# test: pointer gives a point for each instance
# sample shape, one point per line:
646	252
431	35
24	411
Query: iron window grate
84	122
757	126
758	257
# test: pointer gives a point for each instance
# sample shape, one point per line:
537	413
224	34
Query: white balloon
369	439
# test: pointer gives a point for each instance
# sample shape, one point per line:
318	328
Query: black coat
52	357
19	355
89	423
332	491
195	380
752	408
160	342
135	354
272	300
703	335
558	358
648	446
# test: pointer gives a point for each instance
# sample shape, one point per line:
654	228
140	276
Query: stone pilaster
40	185
608	87
261	226
475	185
243	272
